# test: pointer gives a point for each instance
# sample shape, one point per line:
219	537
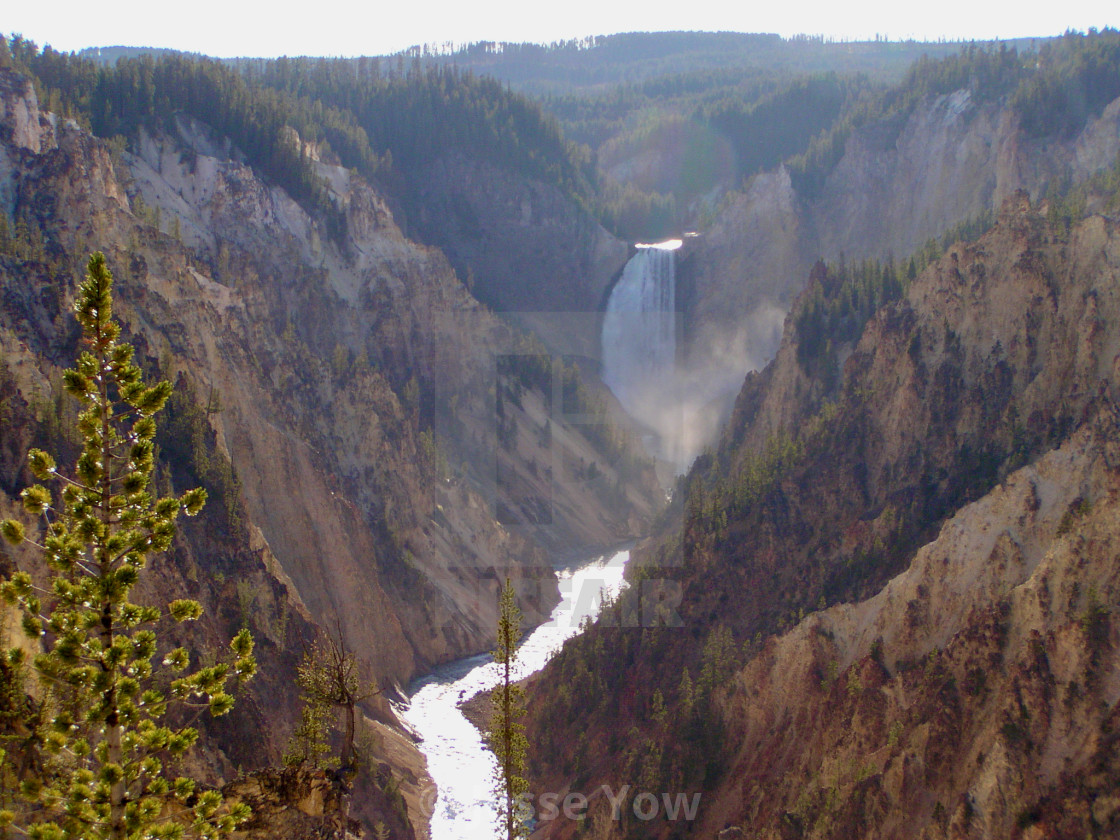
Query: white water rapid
457	761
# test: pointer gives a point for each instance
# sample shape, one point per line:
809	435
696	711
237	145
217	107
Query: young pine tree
329	681
506	736
102	771
308	744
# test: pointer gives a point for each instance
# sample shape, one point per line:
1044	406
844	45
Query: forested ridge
587	65
422	113
381	126
1053	90
117	100
698	123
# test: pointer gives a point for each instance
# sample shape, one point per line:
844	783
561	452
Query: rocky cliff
895	590
898	182
974	695
335	392
527	249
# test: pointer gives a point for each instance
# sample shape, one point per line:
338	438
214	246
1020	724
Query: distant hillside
597	63
1053	92
111	55
674	120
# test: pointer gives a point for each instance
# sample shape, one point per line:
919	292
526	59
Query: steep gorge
859	557
336	394
880	603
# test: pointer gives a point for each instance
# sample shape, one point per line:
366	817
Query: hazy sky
331	27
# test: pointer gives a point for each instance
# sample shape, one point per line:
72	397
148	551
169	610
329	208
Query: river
461	767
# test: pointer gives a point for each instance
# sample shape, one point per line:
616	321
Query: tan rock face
24	124
294	804
976	679
916	544
322	364
895	186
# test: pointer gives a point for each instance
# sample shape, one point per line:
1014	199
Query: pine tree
685	693
101	771
308	744
506	736
328	677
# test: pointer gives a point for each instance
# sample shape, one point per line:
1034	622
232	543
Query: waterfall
680	399
639	339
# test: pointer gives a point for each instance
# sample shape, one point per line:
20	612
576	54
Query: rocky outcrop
898	183
904	572
527	248
24	125
298	803
294	803
337	397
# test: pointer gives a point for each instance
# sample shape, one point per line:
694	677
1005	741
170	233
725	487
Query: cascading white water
681	403
640	327
639	348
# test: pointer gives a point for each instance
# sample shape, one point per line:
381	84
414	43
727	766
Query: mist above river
681	403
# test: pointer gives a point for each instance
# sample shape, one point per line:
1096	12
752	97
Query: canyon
873	566
311	374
